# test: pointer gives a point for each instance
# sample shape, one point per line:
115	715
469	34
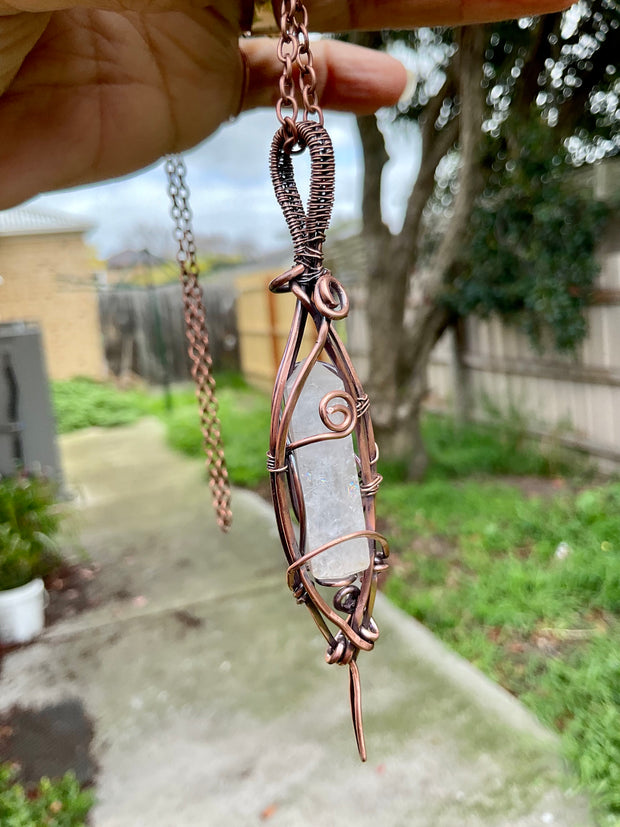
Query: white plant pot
22	612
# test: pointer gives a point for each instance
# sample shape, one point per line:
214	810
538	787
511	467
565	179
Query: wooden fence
577	397
484	366
144	330
487	365
264	319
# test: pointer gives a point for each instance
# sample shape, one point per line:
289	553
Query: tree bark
391	260
400	346
460	379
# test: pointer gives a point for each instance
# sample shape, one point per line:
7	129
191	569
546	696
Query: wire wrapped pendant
322	457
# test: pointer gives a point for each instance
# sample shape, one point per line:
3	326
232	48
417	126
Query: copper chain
294	53
198	341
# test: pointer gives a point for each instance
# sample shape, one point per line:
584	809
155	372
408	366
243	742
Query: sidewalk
211	701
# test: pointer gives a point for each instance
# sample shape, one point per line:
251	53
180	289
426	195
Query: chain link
198	341
294	52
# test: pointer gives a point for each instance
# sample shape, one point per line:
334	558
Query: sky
231	191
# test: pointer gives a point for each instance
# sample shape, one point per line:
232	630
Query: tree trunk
398	434
400	347
460	373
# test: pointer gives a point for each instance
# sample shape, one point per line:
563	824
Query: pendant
322	454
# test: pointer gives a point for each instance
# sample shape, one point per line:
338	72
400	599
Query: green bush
28	522
59	803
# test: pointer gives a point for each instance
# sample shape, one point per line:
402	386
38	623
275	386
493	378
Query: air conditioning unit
27	430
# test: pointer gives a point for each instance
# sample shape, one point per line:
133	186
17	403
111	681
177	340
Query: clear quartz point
328	475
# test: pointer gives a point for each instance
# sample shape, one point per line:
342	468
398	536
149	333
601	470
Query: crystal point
329	481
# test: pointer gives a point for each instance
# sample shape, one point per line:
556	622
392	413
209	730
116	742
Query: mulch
48	742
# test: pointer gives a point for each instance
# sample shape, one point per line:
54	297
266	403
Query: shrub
60	803
28	523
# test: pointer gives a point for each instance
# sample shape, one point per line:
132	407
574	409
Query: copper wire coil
307	228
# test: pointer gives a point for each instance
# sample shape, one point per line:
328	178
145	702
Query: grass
526	587
244	414
475	450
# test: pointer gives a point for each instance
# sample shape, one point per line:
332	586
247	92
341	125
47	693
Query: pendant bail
307	227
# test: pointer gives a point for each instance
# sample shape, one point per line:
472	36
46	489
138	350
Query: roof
36	221
128	259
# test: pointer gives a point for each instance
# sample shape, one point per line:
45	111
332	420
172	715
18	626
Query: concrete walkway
211	701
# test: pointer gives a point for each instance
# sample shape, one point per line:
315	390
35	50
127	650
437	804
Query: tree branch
534	66
471	47
425	184
375	159
472	113
435	144
432	109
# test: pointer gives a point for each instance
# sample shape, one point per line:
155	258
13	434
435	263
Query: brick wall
47	279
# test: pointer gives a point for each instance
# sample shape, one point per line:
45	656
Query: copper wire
321	301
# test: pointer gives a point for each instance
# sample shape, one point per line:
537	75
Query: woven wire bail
307	227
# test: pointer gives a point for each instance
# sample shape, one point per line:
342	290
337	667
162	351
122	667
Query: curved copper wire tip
355	691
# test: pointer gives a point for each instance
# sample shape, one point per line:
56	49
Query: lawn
528	589
509	551
244	414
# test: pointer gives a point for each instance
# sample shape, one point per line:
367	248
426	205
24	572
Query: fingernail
410	87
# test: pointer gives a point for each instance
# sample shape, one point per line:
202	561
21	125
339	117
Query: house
47	277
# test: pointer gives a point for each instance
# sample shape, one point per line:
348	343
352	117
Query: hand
93	89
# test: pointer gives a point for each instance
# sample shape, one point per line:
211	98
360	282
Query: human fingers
104	94
327	15
226	8
370	15
349	77
18	34
22	22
